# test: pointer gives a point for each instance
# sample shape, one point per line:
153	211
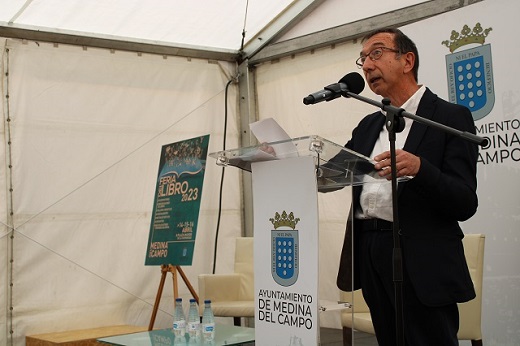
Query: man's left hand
407	164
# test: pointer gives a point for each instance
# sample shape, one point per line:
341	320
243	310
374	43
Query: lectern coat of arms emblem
284	249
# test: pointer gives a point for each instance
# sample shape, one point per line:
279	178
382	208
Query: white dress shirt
376	198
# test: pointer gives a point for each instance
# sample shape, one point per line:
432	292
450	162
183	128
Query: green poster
177	202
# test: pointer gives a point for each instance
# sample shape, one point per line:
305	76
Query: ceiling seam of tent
115	50
303	54
244	27
357	29
73	38
20	11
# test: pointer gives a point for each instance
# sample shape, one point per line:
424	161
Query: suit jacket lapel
425	110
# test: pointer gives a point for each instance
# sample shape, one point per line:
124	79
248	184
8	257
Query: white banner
286	252
466	59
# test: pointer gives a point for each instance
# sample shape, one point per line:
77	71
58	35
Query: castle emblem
470	71
284	249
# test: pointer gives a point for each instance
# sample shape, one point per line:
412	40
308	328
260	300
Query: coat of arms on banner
470	71
284	249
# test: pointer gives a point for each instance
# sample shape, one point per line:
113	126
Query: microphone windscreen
354	81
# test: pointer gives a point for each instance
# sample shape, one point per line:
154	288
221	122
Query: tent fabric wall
86	131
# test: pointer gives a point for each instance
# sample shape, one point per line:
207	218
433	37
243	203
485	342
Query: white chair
470	312
232	295
359	316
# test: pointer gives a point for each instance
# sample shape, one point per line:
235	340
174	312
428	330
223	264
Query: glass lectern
336	166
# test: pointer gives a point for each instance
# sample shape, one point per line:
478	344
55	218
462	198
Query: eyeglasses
374	54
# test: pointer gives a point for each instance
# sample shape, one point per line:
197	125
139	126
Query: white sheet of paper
268	131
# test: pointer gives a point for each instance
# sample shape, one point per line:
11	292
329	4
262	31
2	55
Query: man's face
384	74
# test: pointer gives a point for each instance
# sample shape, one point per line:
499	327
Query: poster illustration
176	207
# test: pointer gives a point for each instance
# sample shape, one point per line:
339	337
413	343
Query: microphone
352	82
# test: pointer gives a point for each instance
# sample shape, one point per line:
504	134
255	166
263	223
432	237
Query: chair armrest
356	299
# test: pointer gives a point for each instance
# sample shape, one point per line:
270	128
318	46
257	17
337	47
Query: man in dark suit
440	193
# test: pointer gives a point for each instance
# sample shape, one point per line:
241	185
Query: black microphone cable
222	176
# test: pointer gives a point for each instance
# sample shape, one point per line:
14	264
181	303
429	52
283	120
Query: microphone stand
394	124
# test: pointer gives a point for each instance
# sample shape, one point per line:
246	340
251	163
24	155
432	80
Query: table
224	335
83	337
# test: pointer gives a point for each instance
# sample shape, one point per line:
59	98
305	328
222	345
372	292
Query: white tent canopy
214	28
91	90
215	25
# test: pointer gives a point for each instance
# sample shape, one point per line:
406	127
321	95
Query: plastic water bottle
193	322
179	321
208	322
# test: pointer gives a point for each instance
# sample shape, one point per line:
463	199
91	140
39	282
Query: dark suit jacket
430	205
